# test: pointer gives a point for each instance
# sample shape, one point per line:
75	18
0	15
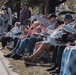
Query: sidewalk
5	67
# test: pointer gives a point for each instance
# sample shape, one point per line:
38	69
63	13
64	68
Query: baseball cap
68	16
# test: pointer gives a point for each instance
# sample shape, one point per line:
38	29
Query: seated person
68	65
25	42
57	54
58	51
50	25
40	47
13	33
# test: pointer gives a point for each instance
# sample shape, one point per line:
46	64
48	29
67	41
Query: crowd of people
29	38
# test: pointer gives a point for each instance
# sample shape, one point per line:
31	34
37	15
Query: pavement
5	67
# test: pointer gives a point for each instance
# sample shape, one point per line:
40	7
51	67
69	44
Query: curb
7	65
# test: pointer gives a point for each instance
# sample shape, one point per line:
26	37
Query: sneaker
16	57
53	67
8	55
57	70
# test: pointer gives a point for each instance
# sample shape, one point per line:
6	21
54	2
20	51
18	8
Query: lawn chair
47	55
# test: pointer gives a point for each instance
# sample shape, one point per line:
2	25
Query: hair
4	8
51	15
17	24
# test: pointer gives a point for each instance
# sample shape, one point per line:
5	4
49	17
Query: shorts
24	23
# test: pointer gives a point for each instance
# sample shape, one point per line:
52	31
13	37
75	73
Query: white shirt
14	31
57	33
46	23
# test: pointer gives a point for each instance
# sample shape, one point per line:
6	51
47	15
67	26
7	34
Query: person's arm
74	27
6	18
9	12
70	29
43	21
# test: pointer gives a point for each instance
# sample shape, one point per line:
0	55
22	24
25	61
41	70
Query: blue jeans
15	47
24	23
20	46
29	44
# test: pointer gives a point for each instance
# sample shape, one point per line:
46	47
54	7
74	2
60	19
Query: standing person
24	15
4	17
6	4
4	21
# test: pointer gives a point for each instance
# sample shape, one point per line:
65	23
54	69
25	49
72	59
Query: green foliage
17	6
33	2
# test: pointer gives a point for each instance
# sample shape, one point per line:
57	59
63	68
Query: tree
2	2
39	3
53	3
15	4
17	7
71	4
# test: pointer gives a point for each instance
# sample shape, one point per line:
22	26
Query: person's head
23	6
5	10
68	18
17	24
36	24
31	20
52	17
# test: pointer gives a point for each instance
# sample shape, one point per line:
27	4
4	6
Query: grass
19	67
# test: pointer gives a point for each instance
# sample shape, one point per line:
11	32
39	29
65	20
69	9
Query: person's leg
31	44
14	50
4	41
14	44
54	54
53	60
40	50
20	51
17	45
23	45
58	58
59	54
37	45
15	41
